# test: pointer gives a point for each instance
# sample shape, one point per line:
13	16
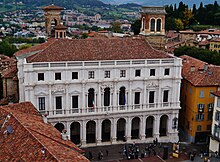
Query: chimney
184	60
192	68
206	67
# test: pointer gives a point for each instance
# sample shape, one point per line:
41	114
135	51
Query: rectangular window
137	98
58	102
218	102
201	94
137	73
57	76
91	75
165	95
41	103
75	102
107	74
190	90
167	71
217	116
200	117
152	72
74	75
122	73
199	127
151	96
201	108
40	76
208	127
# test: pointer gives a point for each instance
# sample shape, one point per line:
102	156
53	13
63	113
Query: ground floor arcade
115	129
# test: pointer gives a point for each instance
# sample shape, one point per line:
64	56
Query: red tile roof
35	49
194	71
31	136
52	7
95	49
215	40
210	31
216	93
60	26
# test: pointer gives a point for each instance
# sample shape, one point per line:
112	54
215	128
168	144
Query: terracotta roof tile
31	135
35	49
216	93
97	49
210	31
215	40
60	26
196	73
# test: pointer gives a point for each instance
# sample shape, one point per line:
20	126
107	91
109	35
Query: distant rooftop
153	10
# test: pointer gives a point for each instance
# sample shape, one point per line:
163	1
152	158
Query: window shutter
202	117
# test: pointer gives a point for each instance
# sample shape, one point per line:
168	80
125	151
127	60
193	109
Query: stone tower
153	25
60	31
52	18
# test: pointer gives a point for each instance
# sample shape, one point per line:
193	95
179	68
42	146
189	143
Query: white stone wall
30	89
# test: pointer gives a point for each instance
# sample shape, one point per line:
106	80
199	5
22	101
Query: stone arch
59	126
106	130
149	126
91	132
143	23
121	128
152	25
163	125
135	128
75	132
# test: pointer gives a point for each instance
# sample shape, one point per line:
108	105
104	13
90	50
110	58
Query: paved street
115	153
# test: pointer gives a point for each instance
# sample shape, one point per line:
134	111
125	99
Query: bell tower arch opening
52	18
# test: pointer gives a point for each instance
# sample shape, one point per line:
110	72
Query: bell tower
153	21
153	26
52	18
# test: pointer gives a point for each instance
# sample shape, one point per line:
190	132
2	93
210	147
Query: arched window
91	97
107	97
152	25
158	24
143	24
122	97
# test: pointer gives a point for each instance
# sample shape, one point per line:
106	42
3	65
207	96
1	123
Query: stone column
99	132
129	98
68	129
114	131
157	127
50	101
145	95
142	128
83	98
83	131
99	99
68	103
128	129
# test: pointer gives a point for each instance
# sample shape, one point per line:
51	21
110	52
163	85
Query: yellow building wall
190	98
215	46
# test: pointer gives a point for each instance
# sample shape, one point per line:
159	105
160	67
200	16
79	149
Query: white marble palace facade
104	101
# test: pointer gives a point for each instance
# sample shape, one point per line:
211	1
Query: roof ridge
35	55
32	135
54	139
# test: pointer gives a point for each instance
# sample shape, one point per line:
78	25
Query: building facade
197	101
215	135
103	91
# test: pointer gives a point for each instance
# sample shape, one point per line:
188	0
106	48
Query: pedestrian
156	141
106	152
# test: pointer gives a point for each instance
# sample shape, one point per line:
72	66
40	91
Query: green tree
116	27
187	17
179	24
136	27
7	49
